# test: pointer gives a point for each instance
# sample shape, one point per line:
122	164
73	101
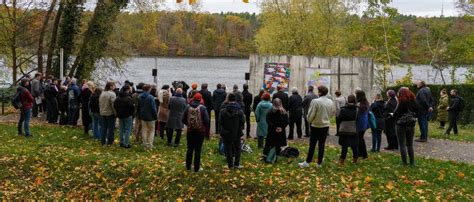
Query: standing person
84	99
348	133
277	120
377	108
164	96
257	99
282	96
389	129
95	112
107	114
207	99
231	124
73	93
320	111
247	109
63	105
36	91
137	129
405	117
177	107
218	98
339	101
295	107
124	108
454	109
239	97
362	122
51	94
261	117
196	120
26	100
425	101
193	92
147	113
310	96
443	108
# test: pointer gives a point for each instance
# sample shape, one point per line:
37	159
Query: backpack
290	152
272	156
16	102
195	119
462	104
372	121
245	147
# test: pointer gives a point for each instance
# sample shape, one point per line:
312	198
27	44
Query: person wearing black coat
346	140
247	110
377	108
84	99
231	123
257	99
389	129
277	120
95	112
207	97
407	107
282	96
295	107
124	110
51	94
310	96
218	98
63	105
454	110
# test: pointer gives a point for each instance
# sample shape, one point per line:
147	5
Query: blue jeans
95	125
376	139
107	126
73	114
423	122
125	129
25	116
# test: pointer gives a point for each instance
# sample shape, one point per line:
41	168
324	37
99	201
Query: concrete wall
299	78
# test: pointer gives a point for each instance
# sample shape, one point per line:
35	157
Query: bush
466	91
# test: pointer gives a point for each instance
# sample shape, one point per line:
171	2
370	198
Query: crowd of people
144	111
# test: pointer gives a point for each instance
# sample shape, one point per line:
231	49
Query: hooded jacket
261	116
231	120
124	105
147	107
218	98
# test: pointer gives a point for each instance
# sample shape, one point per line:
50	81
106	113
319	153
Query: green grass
60	162
465	133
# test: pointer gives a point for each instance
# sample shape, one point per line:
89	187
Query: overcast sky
414	7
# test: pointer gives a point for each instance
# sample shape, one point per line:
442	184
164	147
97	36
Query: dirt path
435	148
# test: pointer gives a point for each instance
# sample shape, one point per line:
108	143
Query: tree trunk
52	43
41	36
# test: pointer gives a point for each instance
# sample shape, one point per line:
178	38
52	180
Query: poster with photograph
276	74
315	78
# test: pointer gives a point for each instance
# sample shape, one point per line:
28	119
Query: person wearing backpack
124	109
231	122
456	105
377	109
25	103
196	119
347	133
148	114
405	117
177	108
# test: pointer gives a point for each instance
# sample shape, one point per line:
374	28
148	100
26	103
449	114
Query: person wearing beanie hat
231	124
193	92
389	129
196	119
261	117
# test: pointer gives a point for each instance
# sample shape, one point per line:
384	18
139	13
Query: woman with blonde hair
84	98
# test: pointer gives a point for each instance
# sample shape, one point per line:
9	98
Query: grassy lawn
465	133
59	162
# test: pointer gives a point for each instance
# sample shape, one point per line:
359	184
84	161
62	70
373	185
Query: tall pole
61	64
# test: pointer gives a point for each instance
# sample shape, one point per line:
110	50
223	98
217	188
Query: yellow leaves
441	176
368	179
460	175
390	185
269	181
345	195
419	182
419	191
38	181
118	192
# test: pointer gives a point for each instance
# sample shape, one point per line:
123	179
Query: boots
354	160
341	162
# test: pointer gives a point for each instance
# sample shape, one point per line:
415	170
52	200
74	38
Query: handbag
347	128
407	119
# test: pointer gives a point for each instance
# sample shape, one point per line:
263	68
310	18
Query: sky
408	7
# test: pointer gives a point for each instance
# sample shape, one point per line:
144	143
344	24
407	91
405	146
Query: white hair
294	90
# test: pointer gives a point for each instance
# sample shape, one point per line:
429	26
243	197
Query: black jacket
51	92
389	107
276	119
239	98
257	99
454	104
307	101
295	105
283	97
94	103
218	97
424	98
405	107
207	97
124	105
247	100
378	109
84	98
231	121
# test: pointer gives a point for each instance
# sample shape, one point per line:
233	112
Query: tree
42	34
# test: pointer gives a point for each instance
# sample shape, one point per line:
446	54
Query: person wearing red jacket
26	100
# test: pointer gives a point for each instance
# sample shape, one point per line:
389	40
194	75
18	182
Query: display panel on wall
316	77
276	74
